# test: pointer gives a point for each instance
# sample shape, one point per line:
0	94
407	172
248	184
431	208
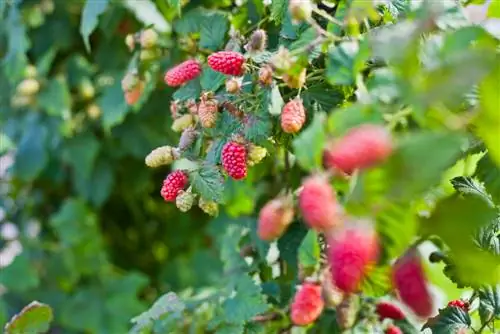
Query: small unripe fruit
393	329
347	311
187	138
130	42
133	95
266	75
148	38
293	116
257	41
184	200
233	85
163	155
282	61
208	112
234	160
409	280
173	184
148	54
362	147
93	111
274	218
28	87
182	73
182	123
87	90
255	154
209	207
30	72
300	10
307	304
387	310
227	62
318	204
295	81
351	253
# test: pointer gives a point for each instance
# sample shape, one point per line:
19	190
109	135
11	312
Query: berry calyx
318	204
362	147
409	280
227	62
182	73
293	116
351	253
274	218
233	85
393	329
307	304
234	160
173	183
387	310
266	75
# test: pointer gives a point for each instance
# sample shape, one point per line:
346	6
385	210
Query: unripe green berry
184	200
209	207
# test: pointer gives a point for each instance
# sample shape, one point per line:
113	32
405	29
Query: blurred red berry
183	73
460	304
293	116
307	304
318	204
227	62
392	329
388	310
274	218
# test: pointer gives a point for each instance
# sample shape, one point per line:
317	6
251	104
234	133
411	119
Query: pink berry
183	73
173	183
293	116
318	204
227	62
234	160
388	310
392	329
274	218
307	304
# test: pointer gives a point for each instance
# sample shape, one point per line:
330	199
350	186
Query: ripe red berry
183	73
351	253
460	304
293	116
234	160
318	204
409	280
388	310
307	304
274	218
392	329
173	183
227	62
361	147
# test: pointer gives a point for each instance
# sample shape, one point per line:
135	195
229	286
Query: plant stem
327	16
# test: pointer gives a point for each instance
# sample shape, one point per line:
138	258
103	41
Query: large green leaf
91	12
208	182
80	152
489	306
113	104
35	318
213	31
344	63
247	302
278	10
342	119
309	145
191	90
489	174
309	250
168	303
20	275
211	80
15	61
55	98
32	153
449	320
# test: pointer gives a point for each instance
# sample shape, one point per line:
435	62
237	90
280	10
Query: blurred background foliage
82	219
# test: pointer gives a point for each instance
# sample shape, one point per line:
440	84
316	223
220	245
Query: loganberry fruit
173	183
234	160
351	253
393	329
361	147
227	62
266	75
307	304
255	154
208	111
387	310
184	200
183	73
182	123
209	207
409	280
460	304
318	204
293	116
274	218
163	155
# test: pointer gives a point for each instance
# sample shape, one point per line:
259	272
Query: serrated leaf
211	80
247	302
278	10
213	31
90	15
341	65
489	173
168	303
467	185
309	250
19	275
207	181
190	22
489	305
191	90
55	98
229	249
33	319
214	154
308	146
32	154
323	95
449	320
258	128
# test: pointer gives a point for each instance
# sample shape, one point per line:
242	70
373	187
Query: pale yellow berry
163	155
182	123
295	81
28	87
30	71
148	38
87	90
209	207
94	111
130	42
255	154
184	200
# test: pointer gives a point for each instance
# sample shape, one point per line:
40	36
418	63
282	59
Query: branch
267	317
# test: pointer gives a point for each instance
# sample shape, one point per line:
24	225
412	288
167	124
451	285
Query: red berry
234	160
307	304
318	204
388	310
409	280
227	62
274	218
133	95
173	183
392	329
460	304
183	73
361	147
293	116
351	253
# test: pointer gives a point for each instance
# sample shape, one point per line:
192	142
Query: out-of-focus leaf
91	12
147	13
208	182
190	22
378	282
247	302
305	38
31	155
80	152
309	250
15	60
20	275
98	186
113	105
55	98
211	80
342	65
289	244
343	119
213	31
191	90
230	251
489	173
278	10
324	95
275	101
33	319
449	320
309	144
168	303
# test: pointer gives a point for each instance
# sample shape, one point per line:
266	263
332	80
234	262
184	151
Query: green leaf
208	182
91	12
323	95
80	152
308	146
230	250
309	250
33	319
20	275
378	282
275	101
489	305
190	22
98	186
113	105
408	175
344	62
211	80
168	303
278	10
468	186
31	155
213	31
55	98
449	320
15	61
258	128
177	4
304	39
289	244
247	302
191	90
489	173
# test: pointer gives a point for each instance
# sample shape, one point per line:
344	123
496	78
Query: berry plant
313	166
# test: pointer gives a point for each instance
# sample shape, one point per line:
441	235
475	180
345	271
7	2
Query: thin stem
327	16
